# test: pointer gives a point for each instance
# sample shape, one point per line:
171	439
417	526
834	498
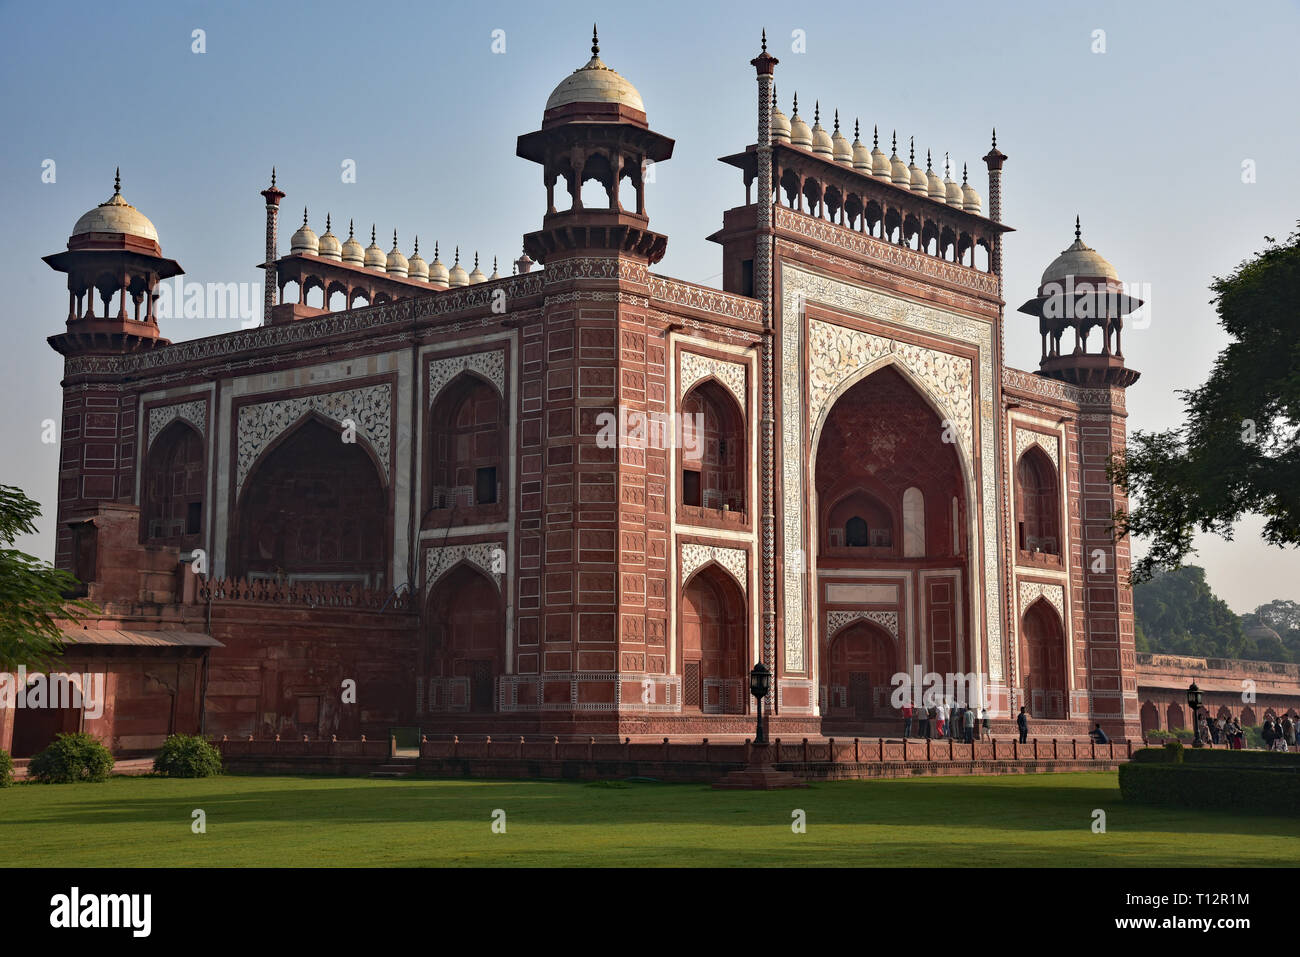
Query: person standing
1288	731
1022	722
968	721
907	720
984	716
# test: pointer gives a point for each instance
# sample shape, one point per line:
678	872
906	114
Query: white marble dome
595	83
304	240
116	215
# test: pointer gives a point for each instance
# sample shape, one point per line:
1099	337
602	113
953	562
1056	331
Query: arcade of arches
316	508
891	506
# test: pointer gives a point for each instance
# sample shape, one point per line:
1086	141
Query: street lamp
1194	702
760	683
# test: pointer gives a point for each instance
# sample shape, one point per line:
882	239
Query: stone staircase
396	768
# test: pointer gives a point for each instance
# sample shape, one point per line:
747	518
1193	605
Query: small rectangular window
747	277
690	487
193	518
485	486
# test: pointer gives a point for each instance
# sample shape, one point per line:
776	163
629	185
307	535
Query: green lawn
1033	820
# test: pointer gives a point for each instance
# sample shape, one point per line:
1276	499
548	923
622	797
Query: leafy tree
32	592
1177	613
1238	452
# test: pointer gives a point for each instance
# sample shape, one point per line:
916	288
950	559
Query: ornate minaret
765	67
994	160
273	196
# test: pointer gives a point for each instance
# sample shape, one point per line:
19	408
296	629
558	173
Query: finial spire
1077	230
817	112
875	136
775	103
494	263
947	170
857	135
995	137
457	262
595	42
327	222
272	177
796	102
349	229
928	167
837	120
911	155
765	39
117	181
372	234
894	147
963	174
394	239
435	250
417	245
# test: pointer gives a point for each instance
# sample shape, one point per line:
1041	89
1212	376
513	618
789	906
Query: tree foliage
1239	451
32	593
1177	613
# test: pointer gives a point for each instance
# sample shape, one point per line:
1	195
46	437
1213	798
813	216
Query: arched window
465	447
860	520
856	532
173	487
713	449
1037	505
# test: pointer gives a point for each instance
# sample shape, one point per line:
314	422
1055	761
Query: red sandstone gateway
394	485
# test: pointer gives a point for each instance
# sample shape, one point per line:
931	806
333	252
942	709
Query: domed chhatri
593	84
970	198
457	277
862	159
416	267
916	176
438	275
329	247
304	240
780	123
800	134
375	258
1079	261
879	161
821	140
477	275
953	188
396	264
898	171
354	254
840	146
114	217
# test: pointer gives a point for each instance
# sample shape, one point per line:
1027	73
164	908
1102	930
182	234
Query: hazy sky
1146	141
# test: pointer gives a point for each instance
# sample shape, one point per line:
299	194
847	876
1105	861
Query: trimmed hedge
1242	790
72	757
187	756
6	769
1220	757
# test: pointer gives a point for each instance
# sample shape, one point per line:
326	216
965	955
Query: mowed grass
1015	820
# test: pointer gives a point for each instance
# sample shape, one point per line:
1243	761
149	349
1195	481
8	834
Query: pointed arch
1043	660
713	642
713	451
465	640
175	477
1038	503
464	454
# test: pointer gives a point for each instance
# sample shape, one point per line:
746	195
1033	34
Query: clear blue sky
1146	141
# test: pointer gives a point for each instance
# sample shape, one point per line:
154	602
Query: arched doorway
1042	660
173	487
887	475
857	674
315	508
1174	717
463	461
1150	718
713	644
466	648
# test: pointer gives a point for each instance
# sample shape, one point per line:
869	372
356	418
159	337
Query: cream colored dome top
1079	260
329	247
841	151
970	199
477	275
595	83
437	271
375	258
116	215
953	188
861	155
495	274
879	161
937	189
916	176
416	267
898	171
457	276
353	252
304	240
780	124
396	263
821	140
800	134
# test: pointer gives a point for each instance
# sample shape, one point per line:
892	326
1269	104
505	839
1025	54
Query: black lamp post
760	683
1194	702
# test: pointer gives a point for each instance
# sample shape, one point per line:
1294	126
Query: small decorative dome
800	134
416	267
457	277
879	161
329	247
438	275
951	186
916	176
595	83
780	125
375	258
477	275
116	215
861	155
1080	261
898	171
353	252
970	200
840	148
495	274
304	240
396	262
821	140
937	190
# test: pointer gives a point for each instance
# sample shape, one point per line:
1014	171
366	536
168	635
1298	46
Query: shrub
187	756
1239	790
72	757
1175	750
6	769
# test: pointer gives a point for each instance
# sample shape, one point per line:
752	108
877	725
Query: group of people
1279	734
945	720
